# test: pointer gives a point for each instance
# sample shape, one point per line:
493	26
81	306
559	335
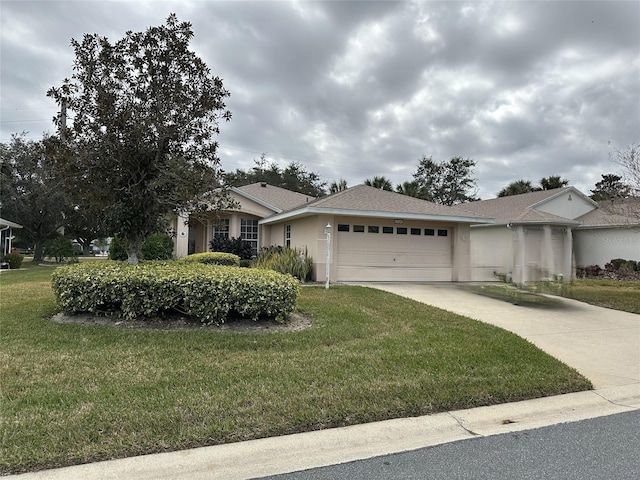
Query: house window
401	230
415	231
221	228
343	227
358	228
373	229
443	233
249	233
387	229
429	232
287	235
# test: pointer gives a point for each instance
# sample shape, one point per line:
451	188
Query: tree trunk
132	247
86	247
38	251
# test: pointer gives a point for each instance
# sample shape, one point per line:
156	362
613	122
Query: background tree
338	186
82	226
629	160
412	189
610	188
145	112
29	193
517	188
447	183
554	181
381	183
293	177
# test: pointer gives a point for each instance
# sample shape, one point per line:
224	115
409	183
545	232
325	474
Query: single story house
376	235
547	234
6	234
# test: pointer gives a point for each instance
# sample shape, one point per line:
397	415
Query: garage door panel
386	274
393	257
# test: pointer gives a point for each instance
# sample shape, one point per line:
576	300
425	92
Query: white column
567	270
182	237
520	267
547	253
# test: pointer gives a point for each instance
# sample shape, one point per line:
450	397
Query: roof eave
256	200
9	224
307	211
532	222
611	225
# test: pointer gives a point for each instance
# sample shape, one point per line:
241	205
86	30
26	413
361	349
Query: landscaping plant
209	293
286	260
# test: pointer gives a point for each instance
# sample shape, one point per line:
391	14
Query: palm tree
554	181
338	186
379	182
517	188
412	189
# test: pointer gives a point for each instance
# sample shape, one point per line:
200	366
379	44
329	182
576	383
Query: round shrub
157	247
208	292
213	258
14	260
116	250
61	249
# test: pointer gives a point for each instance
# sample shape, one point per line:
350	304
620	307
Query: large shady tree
143	114
29	192
448	183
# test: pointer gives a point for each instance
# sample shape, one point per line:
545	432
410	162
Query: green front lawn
73	394
615	294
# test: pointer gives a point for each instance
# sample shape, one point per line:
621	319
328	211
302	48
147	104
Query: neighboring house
547	234
376	235
6	235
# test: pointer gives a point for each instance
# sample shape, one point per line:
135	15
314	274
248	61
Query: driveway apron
602	344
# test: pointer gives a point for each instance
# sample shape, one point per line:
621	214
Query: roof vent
263	184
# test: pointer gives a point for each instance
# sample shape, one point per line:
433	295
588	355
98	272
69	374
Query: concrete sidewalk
602	344
272	456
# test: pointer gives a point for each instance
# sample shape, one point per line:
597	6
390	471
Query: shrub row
207	292
616	269
213	258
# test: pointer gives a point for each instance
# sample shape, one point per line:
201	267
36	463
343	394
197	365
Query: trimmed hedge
213	258
209	293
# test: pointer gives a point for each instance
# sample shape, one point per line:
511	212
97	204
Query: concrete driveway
602	344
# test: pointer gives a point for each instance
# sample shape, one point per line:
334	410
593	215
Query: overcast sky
356	89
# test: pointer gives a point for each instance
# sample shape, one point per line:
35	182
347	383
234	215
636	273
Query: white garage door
393	253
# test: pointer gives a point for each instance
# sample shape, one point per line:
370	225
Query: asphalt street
600	448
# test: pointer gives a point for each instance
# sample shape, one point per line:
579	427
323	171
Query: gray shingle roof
514	207
364	200
522	209
624	213
280	198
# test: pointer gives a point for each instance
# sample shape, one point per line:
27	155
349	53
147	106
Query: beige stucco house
376	235
547	234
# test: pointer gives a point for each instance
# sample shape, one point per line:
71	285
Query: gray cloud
357	89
